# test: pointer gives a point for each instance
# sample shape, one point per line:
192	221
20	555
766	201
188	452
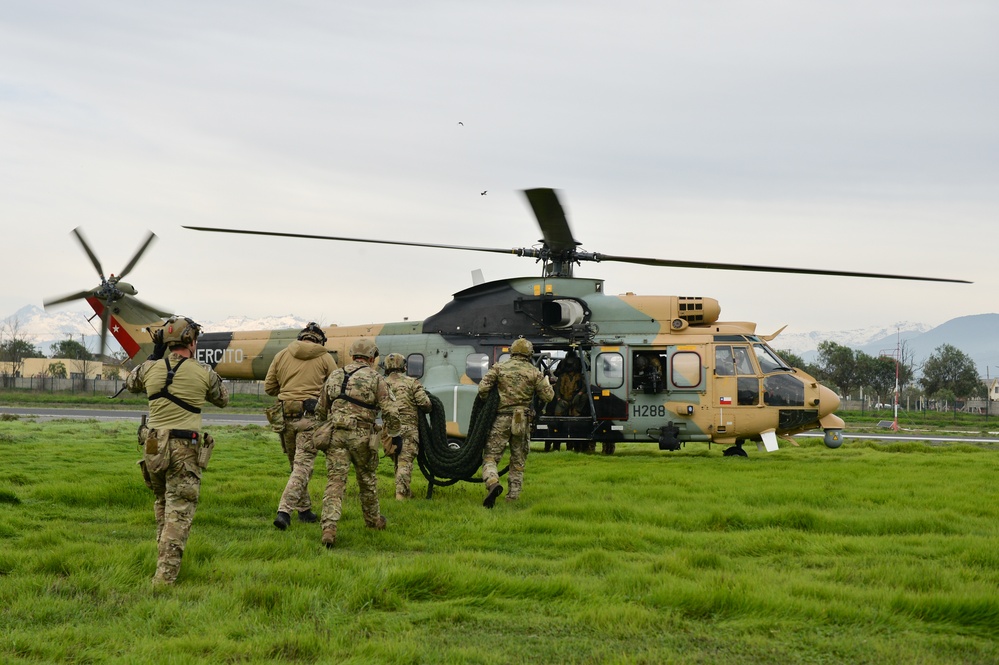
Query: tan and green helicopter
658	369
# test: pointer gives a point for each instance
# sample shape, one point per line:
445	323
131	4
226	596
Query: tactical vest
164	393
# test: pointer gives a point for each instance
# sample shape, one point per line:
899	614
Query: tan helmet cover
180	330
364	347
522	347
395	361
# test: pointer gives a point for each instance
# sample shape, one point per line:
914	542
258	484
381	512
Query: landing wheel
735	451
608	447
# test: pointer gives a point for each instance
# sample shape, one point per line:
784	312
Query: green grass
866	554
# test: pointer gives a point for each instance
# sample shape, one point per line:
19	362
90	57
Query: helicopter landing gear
608	447
735	451
553	446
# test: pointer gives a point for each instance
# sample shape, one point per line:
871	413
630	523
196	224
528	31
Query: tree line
948	375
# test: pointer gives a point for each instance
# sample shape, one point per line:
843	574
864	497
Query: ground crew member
518	382
295	377
410	397
176	450
348	405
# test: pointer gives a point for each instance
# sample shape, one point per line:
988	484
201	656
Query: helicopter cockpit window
743	365
769	362
783	390
609	370
476	365
748	391
414	365
724	361
685	369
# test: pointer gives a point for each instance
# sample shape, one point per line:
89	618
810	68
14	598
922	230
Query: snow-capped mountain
802	343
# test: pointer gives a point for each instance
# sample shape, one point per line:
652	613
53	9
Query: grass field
865	554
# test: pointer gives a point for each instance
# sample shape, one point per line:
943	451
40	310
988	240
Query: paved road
52	413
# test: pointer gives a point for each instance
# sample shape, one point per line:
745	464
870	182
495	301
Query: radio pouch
518	424
157	457
275	416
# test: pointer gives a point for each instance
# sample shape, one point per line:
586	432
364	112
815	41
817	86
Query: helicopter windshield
768	360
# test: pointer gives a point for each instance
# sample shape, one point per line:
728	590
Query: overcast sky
848	135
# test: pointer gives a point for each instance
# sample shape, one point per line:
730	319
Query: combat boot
379	523
329	537
282	520
307	516
494	493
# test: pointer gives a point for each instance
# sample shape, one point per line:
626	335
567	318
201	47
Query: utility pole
896	355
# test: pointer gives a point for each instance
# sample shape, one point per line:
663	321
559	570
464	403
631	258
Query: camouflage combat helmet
180	330
313	333
365	348
522	347
395	362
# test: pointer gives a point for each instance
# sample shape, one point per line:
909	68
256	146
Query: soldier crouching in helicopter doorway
295	377
518	381
176	450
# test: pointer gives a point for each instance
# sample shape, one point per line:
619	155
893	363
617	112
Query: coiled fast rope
443	465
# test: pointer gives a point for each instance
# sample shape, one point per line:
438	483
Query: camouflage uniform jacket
193	383
298	371
518	381
367	392
410	397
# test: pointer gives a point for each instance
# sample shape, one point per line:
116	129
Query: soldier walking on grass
176	450
518	382
410	398
348	405
295	377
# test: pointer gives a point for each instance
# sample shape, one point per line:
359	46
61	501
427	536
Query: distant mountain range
976	335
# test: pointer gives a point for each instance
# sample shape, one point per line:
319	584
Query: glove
159	348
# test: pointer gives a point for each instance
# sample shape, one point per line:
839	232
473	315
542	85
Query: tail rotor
111	289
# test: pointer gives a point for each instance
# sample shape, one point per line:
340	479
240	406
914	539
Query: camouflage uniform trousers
177	490
298	433
499	437
404	460
296	490
346	447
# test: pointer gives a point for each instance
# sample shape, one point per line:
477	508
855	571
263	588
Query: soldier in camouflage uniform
176	450
518	382
348	405
410	396
295	377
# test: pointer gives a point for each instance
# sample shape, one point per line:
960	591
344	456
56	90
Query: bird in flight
461	123
483	193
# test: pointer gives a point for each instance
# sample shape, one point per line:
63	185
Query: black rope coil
443	465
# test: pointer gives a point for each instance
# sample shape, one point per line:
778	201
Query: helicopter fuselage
654	368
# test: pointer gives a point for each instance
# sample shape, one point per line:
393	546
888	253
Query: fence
80	386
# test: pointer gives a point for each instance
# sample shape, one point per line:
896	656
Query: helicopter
656	368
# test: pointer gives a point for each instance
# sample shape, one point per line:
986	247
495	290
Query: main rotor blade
79	295
86	247
667	263
135	259
551	218
308	236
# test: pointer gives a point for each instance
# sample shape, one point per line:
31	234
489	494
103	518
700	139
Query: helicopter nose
828	401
